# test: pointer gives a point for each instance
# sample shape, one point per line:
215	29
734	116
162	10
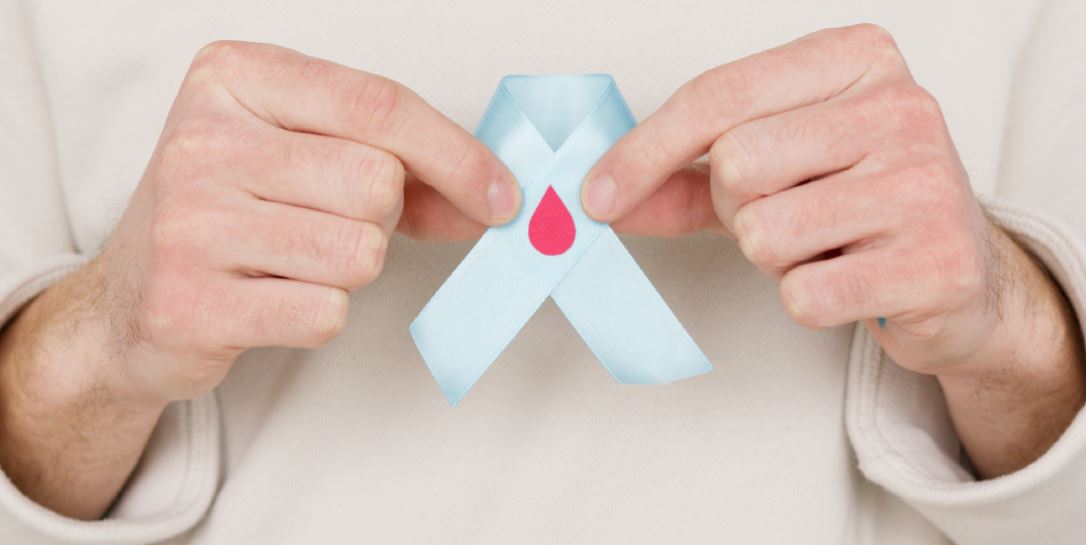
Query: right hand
272	192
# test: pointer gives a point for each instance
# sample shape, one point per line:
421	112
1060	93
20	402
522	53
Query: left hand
835	172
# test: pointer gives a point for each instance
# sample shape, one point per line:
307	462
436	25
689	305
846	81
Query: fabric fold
904	441
549	131
167	494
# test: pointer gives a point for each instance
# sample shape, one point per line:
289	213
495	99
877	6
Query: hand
272	193
835	172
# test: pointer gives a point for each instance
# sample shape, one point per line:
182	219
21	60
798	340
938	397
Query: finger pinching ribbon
549	131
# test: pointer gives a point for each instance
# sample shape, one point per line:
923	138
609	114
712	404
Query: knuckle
386	185
969	279
195	143
305	243
932	187
938	172
878	42
330	317
374	102
729	158
959	268
909	105
169	309
756	238
730	84
184	145
935	185
801	308
216	50
318	243
467	161
180	232
157	315
308	68
706	87
760	252
946	273
923	103
821	298
169	236
793	220
641	153
798	129
360	254
373	184
973	281
220	55
167	230
891	97
873	35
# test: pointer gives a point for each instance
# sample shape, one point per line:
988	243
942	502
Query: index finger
306	94
812	69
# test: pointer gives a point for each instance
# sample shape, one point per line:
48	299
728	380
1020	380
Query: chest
112	68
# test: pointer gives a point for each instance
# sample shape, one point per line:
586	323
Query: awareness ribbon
549	130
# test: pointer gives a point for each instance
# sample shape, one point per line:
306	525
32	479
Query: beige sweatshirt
797	436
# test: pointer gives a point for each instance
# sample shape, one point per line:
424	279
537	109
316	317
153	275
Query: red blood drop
551	228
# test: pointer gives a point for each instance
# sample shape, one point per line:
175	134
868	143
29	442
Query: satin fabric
549	131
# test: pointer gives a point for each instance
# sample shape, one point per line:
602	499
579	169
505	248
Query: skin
272	192
835	173
279	178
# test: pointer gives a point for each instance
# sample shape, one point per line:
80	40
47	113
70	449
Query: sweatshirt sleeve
904	441
178	473
897	420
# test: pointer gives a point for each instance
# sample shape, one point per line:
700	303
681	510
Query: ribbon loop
549	131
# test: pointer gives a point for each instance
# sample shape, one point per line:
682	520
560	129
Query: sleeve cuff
169	491
18	288
904	440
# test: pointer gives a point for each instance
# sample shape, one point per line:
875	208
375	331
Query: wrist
59	352
1014	397
70	429
1034	340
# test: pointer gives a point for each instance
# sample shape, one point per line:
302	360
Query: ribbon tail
549	131
624	320
475	313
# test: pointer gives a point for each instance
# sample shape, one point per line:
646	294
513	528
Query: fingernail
882	322
502	197
599	196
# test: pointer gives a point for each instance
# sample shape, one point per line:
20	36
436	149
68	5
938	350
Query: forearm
69	437
1030	385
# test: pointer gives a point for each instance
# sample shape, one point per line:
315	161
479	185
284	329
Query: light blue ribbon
549	131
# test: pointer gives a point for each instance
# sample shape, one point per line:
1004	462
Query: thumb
641	162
